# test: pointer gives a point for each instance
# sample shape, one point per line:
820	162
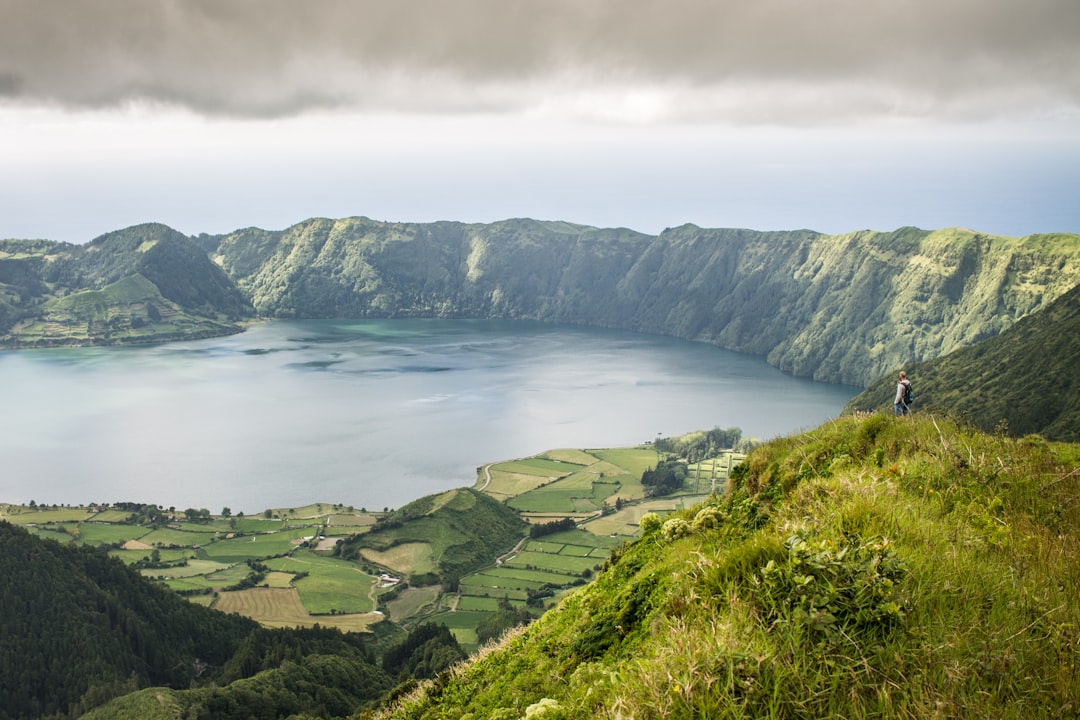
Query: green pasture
462	623
197	582
572	550
537	467
226	576
51	534
494	580
413	601
422	530
567	455
191	569
20	515
484	604
507	484
168	555
169	536
581	538
634	461
326	593
112	516
253	547
564	564
544	546
578	493
254	525
332	584
507	574
102	533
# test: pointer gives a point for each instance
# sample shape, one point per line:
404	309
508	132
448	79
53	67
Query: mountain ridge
836	308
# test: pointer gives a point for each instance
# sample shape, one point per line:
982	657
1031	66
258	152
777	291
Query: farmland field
406	558
202	555
278	607
413	601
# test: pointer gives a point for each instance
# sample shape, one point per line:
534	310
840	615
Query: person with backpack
902	401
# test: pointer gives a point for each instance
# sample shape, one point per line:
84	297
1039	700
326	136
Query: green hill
1022	381
147	283
444	536
874	567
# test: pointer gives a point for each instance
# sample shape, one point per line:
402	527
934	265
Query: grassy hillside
843	308
874	567
1022	381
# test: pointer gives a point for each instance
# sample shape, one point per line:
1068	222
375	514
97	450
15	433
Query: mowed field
281	607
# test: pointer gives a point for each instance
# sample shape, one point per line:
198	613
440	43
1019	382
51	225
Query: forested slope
1022	381
81	633
845	308
79	627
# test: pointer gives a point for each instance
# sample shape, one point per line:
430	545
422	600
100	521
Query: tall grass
872	568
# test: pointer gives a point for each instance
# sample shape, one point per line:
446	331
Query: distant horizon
284	228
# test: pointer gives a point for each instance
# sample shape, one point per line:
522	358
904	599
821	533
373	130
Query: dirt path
516	549
487	478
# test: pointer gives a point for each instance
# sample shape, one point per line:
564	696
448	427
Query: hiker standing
903	395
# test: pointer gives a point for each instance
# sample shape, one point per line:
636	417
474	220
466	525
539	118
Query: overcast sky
834	115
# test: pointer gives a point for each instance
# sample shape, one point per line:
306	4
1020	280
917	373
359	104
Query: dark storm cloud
773	60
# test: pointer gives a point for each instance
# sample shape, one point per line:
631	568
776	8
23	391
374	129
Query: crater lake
370	413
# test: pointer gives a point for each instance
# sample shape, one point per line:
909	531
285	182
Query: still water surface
365	413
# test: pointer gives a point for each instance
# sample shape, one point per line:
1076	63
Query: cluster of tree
701	445
77	622
506	617
253	578
142	513
428	649
541	529
664	479
198	515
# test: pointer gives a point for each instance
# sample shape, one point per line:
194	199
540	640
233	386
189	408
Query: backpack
908	396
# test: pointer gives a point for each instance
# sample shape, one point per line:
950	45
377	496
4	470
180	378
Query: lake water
363	413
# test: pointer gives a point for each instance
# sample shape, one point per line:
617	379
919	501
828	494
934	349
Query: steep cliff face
844	308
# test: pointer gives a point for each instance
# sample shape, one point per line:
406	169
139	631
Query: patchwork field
281	607
281	568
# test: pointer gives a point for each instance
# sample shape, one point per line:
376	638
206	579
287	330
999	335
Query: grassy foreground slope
1022	381
874	567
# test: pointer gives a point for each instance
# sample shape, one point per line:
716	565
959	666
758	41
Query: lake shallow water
365	413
